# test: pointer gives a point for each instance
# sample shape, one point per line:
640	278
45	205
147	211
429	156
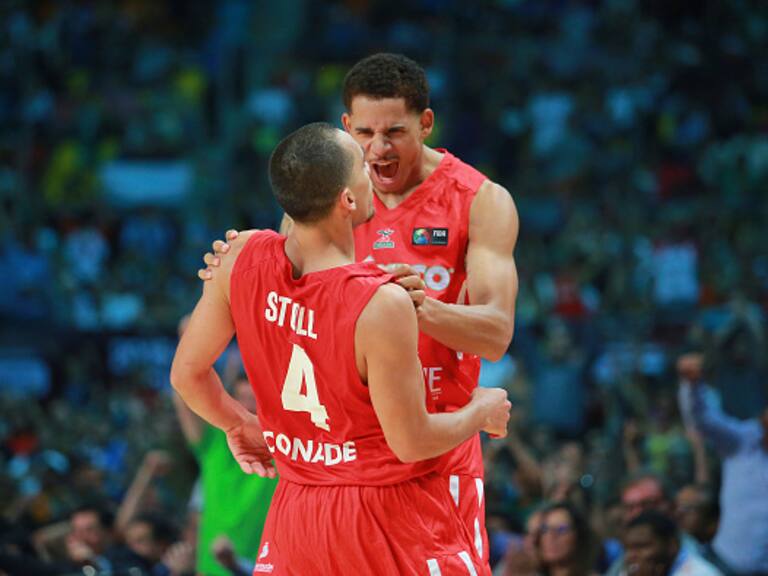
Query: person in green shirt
234	504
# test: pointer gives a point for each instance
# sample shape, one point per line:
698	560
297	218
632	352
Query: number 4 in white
301	370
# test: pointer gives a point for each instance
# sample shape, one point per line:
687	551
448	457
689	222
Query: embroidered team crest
385	239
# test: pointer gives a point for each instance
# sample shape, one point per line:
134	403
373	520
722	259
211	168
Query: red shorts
411	528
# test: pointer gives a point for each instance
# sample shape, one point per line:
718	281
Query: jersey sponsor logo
264	567
385	239
436	277
429	236
310	451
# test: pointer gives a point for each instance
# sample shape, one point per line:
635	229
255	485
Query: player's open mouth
385	171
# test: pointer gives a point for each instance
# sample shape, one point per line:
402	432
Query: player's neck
429	161
316	247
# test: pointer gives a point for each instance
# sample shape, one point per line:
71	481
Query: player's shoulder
388	305
248	245
462	174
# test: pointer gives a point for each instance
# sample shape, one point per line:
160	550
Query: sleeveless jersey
429	231
296	338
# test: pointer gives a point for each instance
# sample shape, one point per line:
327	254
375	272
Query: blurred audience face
532	532
691	514
86	528
645	494
140	539
558	540
646	553
243	393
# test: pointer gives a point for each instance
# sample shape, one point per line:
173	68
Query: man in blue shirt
742	536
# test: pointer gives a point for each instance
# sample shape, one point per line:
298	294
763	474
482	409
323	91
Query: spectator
742	536
653	549
565	541
646	492
697	514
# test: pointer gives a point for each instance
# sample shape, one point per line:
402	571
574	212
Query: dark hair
387	75
163	530
662	526
585	544
308	169
102	511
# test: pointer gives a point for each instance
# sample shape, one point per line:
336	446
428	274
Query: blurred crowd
632	135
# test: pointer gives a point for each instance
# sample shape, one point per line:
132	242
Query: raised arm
485	327
386	340
701	410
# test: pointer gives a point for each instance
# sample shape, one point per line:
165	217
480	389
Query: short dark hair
662	526
387	75
308	169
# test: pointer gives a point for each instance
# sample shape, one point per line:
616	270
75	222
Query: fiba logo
436	277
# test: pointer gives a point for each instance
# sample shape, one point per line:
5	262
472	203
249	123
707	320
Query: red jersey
296	338
429	231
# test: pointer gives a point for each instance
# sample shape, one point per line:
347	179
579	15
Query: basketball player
331	349
452	226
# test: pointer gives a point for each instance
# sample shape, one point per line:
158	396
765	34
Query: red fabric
352	450
372	530
471	508
441	202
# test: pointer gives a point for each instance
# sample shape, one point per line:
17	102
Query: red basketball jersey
429	231
296	338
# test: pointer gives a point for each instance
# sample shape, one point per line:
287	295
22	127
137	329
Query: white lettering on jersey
301	320
436	277
270	312
432	377
310	451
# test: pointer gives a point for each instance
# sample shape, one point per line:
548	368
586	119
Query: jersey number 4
300	369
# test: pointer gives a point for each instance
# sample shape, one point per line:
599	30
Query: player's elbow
183	375
502	338
405	446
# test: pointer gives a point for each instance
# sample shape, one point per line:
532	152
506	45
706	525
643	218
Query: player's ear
346	121
427	122
347	200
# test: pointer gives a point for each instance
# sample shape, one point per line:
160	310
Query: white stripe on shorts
480	491
478	538
434	569
468	563
453	486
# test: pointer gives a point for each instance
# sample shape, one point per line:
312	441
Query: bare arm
386	341
484	327
209	331
154	464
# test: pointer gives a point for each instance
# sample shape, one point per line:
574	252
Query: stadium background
632	135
